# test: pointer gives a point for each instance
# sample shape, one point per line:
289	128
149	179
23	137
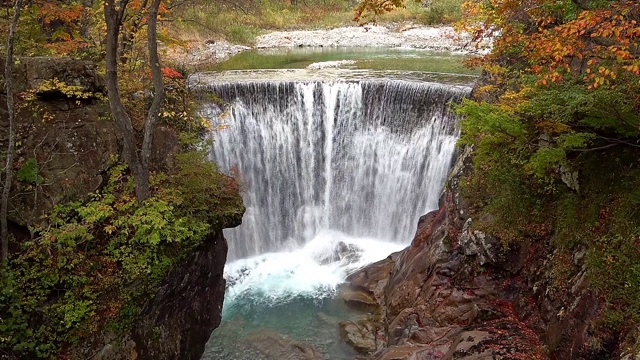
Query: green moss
517	190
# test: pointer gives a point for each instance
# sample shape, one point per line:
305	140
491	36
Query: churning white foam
314	270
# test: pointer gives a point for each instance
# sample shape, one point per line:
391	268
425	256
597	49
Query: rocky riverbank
459	293
441	38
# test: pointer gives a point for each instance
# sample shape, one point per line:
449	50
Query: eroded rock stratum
458	293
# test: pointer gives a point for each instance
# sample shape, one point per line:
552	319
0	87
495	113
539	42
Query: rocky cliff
66	141
177	322
459	293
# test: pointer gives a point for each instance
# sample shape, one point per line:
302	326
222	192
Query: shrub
96	261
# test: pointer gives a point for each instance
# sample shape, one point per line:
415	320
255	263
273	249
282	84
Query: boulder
358	298
346	253
486	248
274	346
361	336
30	73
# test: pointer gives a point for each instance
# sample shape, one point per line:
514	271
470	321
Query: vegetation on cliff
94	260
556	131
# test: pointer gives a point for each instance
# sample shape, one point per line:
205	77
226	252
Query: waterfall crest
366	158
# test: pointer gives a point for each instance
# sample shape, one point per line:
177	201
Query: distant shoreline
436	38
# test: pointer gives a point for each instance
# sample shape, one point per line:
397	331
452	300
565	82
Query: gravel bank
442	38
417	37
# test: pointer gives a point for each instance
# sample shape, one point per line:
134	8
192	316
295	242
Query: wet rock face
360	335
459	293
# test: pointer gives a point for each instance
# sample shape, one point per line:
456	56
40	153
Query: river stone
631	346
348	253
360	336
441	38
485	247
278	347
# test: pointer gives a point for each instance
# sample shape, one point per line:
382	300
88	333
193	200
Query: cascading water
365	158
335	175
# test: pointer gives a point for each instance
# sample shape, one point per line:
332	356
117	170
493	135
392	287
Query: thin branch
596	148
618	141
613	142
8	76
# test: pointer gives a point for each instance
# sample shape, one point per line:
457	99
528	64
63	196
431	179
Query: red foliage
170	73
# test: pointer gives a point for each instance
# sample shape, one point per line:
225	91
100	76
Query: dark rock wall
177	322
70	139
186	307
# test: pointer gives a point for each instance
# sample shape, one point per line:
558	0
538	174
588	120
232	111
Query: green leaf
28	173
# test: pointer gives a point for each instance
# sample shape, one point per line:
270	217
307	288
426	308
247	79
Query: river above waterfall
204	79
355	58
336	167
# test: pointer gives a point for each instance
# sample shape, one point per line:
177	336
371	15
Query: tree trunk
158	84
8	78
85	22
138	161
113	14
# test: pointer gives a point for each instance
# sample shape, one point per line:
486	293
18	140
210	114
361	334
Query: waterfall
366	158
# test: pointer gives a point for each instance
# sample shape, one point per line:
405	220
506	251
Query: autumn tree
136	157
368	10
566	71
555	124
